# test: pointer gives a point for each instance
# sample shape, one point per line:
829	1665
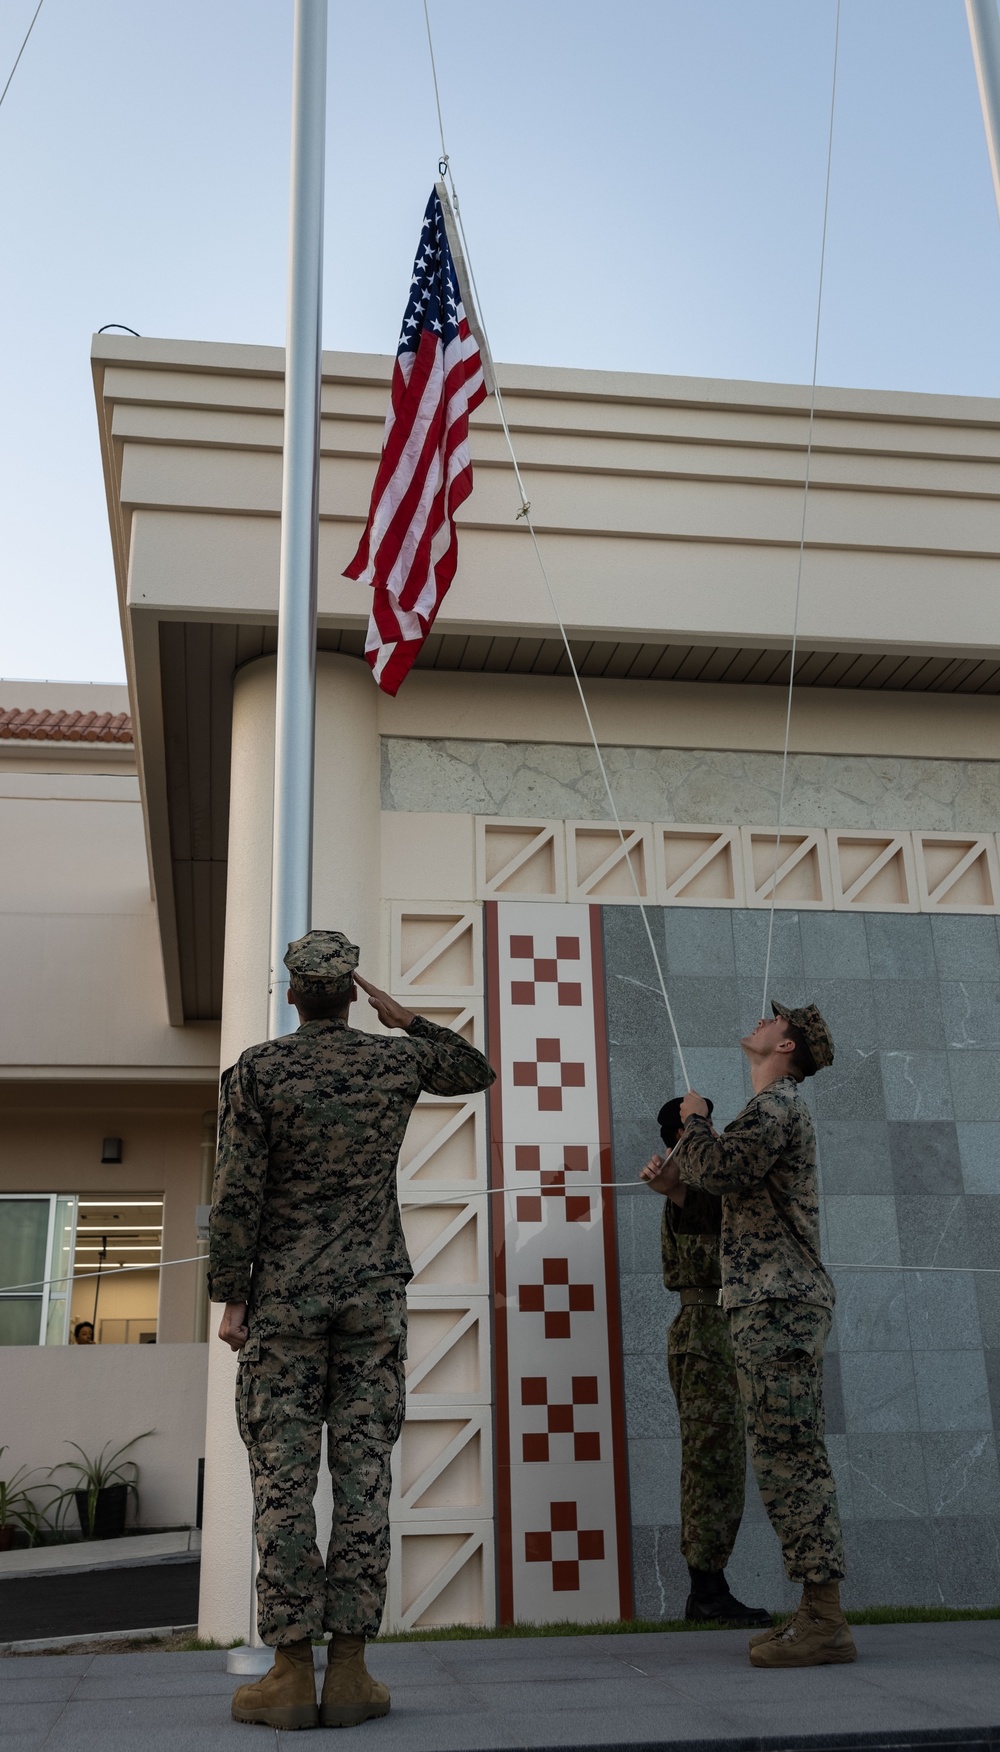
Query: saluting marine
307	1251
780	1304
703	1377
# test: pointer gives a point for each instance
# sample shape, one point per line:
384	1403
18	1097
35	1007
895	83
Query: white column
346	889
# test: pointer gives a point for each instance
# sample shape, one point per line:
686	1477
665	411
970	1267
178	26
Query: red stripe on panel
616	1366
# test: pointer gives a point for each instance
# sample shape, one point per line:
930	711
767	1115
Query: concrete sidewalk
933	1685
128	1552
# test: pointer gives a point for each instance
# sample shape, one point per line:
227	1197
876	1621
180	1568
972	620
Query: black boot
710	1601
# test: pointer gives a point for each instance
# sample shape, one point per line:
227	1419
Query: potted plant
21	1520
102	1487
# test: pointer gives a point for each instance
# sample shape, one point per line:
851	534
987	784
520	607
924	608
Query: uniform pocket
246	1384
787	1403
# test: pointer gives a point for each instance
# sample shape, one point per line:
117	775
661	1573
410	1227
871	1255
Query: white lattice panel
872	872
698	866
957	872
442	1574
523	860
794	867
436	950
601	863
442	1566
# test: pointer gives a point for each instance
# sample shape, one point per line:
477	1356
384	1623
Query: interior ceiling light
121	1204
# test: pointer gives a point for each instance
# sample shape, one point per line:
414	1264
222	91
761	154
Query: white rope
578	1190
805	508
525	514
21	50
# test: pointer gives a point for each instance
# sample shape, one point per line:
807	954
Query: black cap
669	1119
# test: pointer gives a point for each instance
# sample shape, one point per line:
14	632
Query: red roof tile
25	725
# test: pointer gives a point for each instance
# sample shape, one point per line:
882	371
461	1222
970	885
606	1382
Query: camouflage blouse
689	1242
310	1128
764	1167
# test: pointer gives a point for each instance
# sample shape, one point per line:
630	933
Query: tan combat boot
818	1636
286	1696
779	1628
350	1694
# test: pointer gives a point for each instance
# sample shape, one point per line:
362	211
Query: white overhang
670	511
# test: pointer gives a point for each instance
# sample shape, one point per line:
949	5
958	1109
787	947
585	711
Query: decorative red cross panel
556	1298
549	1074
547	970
565	1546
577	1206
560	1420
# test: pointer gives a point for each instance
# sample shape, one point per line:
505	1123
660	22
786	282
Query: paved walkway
94	1554
914	1685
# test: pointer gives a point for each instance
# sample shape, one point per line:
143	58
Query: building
464	839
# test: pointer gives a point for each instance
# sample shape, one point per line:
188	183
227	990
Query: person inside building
780	1304
83	1332
703	1377
307	1252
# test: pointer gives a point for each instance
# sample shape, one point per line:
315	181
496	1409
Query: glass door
26	1223
37	1239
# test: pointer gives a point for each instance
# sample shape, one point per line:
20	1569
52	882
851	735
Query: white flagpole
984	29
295	700
295	707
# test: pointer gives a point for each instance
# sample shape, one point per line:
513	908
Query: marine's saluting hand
389	1013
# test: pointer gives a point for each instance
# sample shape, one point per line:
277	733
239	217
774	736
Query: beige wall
83	976
97	1394
50	1141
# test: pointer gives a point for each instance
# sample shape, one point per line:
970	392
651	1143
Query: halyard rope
525	515
462	1198
805	508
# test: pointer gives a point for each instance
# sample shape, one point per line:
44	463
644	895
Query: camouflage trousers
344	1370
779	1360
713	1445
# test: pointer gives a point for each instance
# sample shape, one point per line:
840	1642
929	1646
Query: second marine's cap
812	1025
323	960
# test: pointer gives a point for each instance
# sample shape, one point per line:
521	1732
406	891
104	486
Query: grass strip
648	1626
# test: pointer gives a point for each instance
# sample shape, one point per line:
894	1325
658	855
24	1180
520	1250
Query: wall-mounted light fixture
111	1150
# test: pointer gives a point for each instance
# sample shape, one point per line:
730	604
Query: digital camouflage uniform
780	1305
306	1226
703	1377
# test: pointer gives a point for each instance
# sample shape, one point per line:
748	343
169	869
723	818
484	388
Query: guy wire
525	514
802	531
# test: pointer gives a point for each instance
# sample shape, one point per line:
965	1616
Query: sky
642	188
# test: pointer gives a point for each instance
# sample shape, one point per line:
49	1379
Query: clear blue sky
642	186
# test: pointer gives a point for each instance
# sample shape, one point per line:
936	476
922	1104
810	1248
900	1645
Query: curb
68	1643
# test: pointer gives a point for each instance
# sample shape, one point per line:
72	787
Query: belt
701	1298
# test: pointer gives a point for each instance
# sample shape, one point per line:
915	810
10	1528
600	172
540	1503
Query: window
37	1233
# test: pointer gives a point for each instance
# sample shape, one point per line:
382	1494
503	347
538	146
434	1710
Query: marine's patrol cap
323	962
817	1035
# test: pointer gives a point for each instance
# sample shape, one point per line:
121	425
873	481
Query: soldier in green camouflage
780	1304
307	1252
703	1377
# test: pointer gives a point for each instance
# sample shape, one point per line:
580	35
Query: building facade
465	840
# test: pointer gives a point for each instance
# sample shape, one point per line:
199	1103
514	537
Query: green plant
97	1473
17	1505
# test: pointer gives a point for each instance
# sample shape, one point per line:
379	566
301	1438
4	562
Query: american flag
409	550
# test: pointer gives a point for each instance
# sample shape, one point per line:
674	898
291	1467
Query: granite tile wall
908	1121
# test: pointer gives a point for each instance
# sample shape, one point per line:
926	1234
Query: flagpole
295	696
984	30
295	702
